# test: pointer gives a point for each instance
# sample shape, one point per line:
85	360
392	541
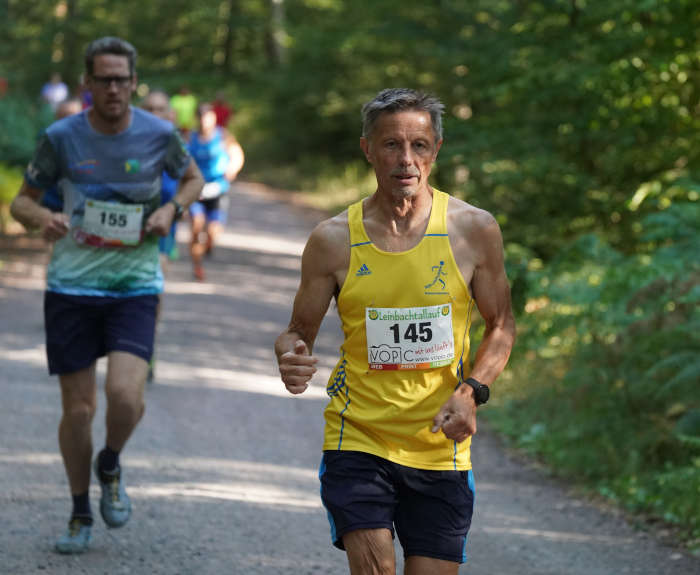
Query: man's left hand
160	221
457	416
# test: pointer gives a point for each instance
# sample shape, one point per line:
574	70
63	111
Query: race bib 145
409	338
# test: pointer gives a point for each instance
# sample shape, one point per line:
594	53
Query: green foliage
191	37
609	347
20	125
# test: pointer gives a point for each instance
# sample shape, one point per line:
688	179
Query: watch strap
477	386
179	209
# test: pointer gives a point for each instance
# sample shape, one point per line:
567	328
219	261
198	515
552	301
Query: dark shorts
210	208
431	510
80	329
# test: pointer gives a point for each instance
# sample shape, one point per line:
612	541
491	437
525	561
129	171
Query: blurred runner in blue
220	157
158	103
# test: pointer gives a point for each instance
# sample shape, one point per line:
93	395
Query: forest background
575	122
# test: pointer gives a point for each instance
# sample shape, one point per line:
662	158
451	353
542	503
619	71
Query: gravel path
223	469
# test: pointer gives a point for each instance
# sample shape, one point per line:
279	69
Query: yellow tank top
406	318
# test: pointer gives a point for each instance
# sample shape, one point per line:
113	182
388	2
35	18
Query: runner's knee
126	398
368	563
79	412
370	552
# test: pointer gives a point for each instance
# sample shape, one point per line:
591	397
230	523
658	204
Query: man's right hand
297	367
55	226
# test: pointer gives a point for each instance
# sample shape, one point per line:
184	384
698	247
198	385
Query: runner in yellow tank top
406	266
406	319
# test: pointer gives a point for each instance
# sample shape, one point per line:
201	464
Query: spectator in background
223	111
184	104
54	91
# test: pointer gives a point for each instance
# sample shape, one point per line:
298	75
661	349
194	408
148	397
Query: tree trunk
574	14
274	42
71	57
229	40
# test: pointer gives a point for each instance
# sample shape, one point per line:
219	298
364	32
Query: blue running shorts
210	208
430	510
80	329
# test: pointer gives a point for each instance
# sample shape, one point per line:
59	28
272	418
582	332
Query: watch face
483	393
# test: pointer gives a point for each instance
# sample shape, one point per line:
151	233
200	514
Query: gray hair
400	99
109	45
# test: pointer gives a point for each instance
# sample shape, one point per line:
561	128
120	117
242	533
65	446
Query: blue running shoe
76	539
115	505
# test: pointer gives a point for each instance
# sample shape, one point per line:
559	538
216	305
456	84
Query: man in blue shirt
104	276
157	103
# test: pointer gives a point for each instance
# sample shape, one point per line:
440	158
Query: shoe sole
76	551
73	550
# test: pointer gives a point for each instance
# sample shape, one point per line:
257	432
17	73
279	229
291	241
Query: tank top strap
437	226
358	236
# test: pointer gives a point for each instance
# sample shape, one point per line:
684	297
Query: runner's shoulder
333	231
65	127
330	239
464	218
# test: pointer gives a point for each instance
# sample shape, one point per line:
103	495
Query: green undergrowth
604	383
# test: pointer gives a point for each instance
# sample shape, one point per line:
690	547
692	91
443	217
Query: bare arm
236	156
319	282
25	208
489	285
188	191
191	185
492	296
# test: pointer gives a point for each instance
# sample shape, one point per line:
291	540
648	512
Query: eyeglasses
106	81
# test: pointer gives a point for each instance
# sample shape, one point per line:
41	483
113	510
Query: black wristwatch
179	210
481	391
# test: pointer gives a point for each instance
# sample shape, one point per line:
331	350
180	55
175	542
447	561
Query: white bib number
113	224
409	338
210	191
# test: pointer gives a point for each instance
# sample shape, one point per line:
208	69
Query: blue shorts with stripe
430	511
211	209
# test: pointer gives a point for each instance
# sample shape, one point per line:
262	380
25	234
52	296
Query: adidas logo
363	271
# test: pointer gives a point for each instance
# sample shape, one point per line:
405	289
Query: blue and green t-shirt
110	185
